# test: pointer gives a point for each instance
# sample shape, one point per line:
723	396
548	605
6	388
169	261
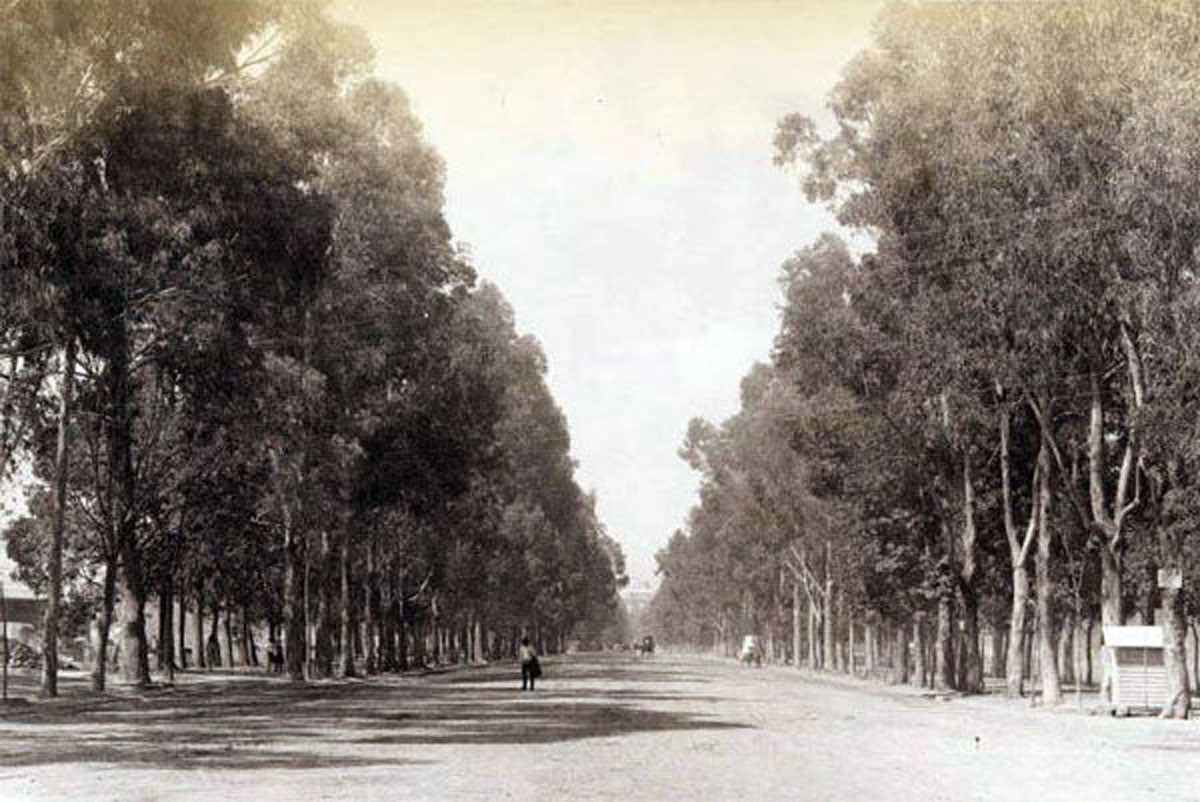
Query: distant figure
213	651
529	664
751	651
275	656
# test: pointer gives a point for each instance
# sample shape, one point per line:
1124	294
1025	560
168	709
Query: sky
609	168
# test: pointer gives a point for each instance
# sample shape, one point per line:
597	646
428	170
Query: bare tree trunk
919	669
944	654
1195	656
970	673
1067	649
387	621
213	644
135	663
58	526
1019	545
970	657
201	653
1087	651
323	662
229	635
996	665
900	656
295	638
1051	690
401	629
814	658
166	630
1111	613
100	670
118	439
246	641
369	602
1015	675
870	635
1174	631
851	660
347	623
829	660
796	623
183	661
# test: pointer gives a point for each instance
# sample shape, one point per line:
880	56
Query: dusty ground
610	727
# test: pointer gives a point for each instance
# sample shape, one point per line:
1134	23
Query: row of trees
1005	385
253	373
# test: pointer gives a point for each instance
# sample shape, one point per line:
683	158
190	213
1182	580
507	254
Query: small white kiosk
1139	671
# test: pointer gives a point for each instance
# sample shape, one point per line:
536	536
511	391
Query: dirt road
610	727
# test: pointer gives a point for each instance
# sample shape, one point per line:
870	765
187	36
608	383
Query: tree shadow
267	722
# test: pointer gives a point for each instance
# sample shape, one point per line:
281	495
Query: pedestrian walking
530	669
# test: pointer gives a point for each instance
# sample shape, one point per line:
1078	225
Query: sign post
1170	578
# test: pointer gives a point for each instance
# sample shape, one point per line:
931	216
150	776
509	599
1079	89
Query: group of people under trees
257	384
977	435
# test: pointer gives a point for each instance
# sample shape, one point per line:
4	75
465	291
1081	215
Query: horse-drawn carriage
751	651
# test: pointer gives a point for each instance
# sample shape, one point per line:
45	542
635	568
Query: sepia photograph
599	400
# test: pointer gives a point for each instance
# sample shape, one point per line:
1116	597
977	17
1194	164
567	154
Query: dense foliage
1004	382
261	386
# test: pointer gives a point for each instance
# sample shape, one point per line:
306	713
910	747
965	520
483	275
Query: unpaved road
603	727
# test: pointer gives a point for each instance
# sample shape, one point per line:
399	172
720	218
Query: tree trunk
229	635
851	664
246	641
970	669
796	623
100	670
944	652
1175	655
1048	653
401	629
900	656
198	622
828	658
1014	679
1067	648
1087	651
213	644
182	650
1195	656
49	686
369	619
294	641
387	621
166	630
323	664
1111	613
814	658
347	622
919	670
135	663
970	658
1018	546
997	662
118	437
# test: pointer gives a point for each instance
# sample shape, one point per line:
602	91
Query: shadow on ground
265	722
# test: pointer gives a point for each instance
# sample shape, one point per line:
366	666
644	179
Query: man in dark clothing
529	664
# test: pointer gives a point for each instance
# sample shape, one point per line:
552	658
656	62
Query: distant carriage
751	652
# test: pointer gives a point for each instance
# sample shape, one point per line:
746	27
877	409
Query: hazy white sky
610	167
